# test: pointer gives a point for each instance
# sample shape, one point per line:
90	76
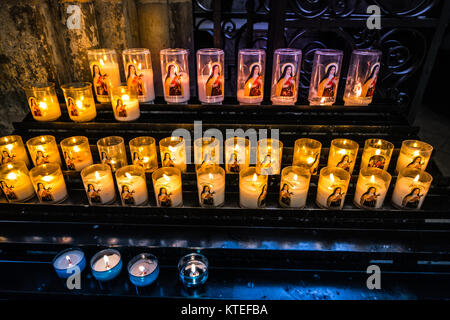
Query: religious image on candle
99	184
411	188
268	156
307	153
414	154
167	187
43	149
80	101
48	182
105	72
76	152
332	188
112	152
139	72
143	153
15	182
252	188
175	75
371	188
237	154
294	187
250	80
132	185
210	77
12	149
286	67
207	152
173	152
377	154
343	153
211	186
43	101
125	103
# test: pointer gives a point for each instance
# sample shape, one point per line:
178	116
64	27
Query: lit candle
43	149
193	270
99	184
68	262
371	188
237	154
106	264
105	72
377	154
43	101
48	181
211	186
206	152
173	152
285	76
143	269
139	72
411	188
268	156
252	189
12	150
167	187
125	103
294	187
414	154
250	78
343	153
175	75
332	188
143	153
210	75
79	101
15	182
76	152
112	152
307	154
132	185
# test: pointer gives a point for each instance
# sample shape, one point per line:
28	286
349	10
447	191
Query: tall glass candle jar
252	188
414	154
371	188
105	72
361	77
173	152
250	76
43	149
411	188
167	187
48	182
139	72
211	186
377	154
307	153
332	188
210	75
99	184
76	152
268	156
79	101
285	76
12	150
325	75
125	103
132	185
343	153
43	101
112	152
237	154
175	75
206	152
15	182
143	153
294	187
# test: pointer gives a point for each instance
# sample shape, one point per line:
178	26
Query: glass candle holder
252	188
106	264
48	182
79	101
371	188
210	75
325	75
175	75
250	77
377	154
332	188
362	77
193	270
125	103
43	149
99	184
343	153
139	72
307	154
77	153
206	152
268	156
15	182
43	101
173	152
68	262
12	150
143	269
237	154
414	154
143	153
294	187
167	187
211	186
285	76
411	188
112	152
105	72
132	185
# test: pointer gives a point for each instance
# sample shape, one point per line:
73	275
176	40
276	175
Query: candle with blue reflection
193	270
68	262
106	264
143	269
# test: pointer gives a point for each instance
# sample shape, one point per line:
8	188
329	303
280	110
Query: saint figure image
233	163
100	84
164	198
345	163
335	199
167	161
35	107
6	157
253	84
214	82
94	195
412	199
369	85
172	83
377	161
266	164
127	195
286	83
137	159
121	109
73	111
285	195
69	161
327	86
135	80
44	193
41	158
8	191
262	197
369	198
207	196
105	159
417	163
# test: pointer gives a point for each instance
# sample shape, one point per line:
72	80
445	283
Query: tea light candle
250	78
143	269
411	188
48	182
139	72
193	270
371	188
237	154
414	154
377	154
15	182
106	264
99	184
125	103
268	156
252	189
210	75
43	101
211	186
294	187
77	153
68	262
79	101
12	150
332	188
143	153
175	75
206	152
173	152
112	152
285	76
105	72
307	154
343	153
167	187
43	149
132	185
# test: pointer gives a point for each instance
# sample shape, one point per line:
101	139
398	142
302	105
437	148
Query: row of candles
143	269
360	86
47	180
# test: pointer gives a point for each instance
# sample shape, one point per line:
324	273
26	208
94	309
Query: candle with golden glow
167	187
377	154
237	154
132	185
79	101
173	152
43	101
207	152
414	154
48	182
99	184
112	152
143	153
105	72
252	188
332	188
343	153
211	186
15	182
268	156
294	187
307	154
371	188
411	188
12	150
43	149
76	152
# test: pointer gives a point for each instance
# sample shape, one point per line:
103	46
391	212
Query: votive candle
285	76
210	75
371	188
69	261
125	103
12	150
43	149
268	156
143	153
237	154
48	182
250	77
343	153
377	154
132	185
307	153
106	264
105	72
167	187
175	75
294	187
79	101
332	188
411	188
77	153
43	101
143	269
173	152
206	152
99	184
211	186
414	154
139	72
112	152
15	182
252	188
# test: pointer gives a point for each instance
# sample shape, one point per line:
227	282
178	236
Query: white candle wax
68	260
51	189
79	158
296	193
105	264
331	192
413	160
370	192
252	191
85	109
142	268
49	109
17	186
133	189
172	196
186	92
99	187
409	193
216	184
129	110
243	99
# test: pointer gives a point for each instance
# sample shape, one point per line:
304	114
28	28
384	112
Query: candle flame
417	178
126	97
372	179
377	152
79	103
172	149
342	151
255	177
9	146
310	160
139	66
97	175
331	177
358	90
236	147
322	100
106	260
146	159
47	178
142	269
193	268
166	177
295	177
11	175
42	105
129	176
76	149
101	62
10	166
379	142
416	153
68	260
415	145
210	176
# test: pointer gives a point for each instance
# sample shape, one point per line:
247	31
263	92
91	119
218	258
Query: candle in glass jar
175	75
371	188
43	101
206	152
411	188
307	153
15	182
167	187
112	152
377	154
12	150
43	149
250	78
106	264
139	72
105	72
268	156
285	76
343	153
173	152
79	101
76	152
143	269
211	186
99	184
414	154
252	189
294	187
132	185
125	103
210	76
332	188
48	182
143	153
193	270
237	154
